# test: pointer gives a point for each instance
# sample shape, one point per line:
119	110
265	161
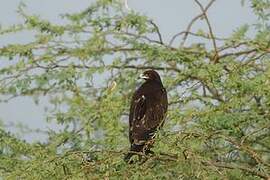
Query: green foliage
218	120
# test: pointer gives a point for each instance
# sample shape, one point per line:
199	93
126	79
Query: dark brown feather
147	113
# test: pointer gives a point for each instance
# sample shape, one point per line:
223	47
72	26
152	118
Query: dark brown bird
147	114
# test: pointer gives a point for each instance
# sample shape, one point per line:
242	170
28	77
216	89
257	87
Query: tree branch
194	20
215	59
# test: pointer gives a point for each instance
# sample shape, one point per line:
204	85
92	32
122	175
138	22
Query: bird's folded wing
139	108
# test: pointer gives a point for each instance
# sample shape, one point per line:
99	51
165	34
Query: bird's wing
157	110
137	112
139	108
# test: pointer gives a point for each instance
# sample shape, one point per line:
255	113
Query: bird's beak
142	76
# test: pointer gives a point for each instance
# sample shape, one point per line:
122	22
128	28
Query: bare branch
194	20
193	34
215	59
158	32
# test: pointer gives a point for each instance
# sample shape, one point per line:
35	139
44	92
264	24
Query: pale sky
172	16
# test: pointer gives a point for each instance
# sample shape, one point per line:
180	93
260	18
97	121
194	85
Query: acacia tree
218	119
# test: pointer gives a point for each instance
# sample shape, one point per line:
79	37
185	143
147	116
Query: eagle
148	110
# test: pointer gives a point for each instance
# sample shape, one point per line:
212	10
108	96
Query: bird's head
150	75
